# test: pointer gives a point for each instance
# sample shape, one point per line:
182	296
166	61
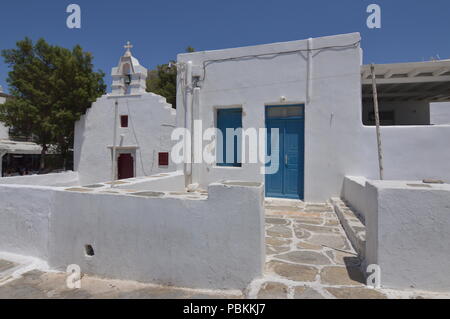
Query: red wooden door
125	166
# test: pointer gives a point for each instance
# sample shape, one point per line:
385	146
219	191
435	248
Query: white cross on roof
128	46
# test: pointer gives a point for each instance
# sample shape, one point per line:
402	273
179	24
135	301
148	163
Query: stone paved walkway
308	257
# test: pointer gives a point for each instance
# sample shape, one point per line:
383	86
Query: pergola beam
417	79
441	71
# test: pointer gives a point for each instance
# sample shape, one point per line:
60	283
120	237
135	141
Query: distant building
16	157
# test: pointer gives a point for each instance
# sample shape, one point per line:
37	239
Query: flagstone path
308	256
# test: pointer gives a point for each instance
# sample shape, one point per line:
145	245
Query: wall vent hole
89	251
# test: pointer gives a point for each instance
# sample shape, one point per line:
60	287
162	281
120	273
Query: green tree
51	88
163	80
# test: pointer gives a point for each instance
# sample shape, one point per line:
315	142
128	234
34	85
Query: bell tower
129	77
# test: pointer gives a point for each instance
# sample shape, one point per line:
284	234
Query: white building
319	95
143	124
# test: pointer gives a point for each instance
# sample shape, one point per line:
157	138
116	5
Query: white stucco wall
170	182
409	152
150	124
216	242
25	213
333	125
68	178
354	192
408	234
440	113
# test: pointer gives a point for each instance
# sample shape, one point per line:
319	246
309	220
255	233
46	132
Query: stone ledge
352	224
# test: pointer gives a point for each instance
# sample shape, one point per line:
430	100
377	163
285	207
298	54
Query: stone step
353	224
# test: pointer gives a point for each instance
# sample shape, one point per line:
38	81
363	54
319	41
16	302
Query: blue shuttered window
229	153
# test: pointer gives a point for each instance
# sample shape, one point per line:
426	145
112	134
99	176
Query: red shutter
163	159
124	121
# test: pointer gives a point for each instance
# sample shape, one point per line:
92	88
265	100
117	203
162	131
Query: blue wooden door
288	181
274	182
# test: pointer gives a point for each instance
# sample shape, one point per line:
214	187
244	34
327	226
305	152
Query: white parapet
213	240
408	234
354	193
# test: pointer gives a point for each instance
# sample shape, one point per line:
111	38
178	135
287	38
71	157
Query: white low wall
354	193
68	178
216	242
25	220
408	234
167	182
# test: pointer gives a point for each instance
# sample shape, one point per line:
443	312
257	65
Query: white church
139	141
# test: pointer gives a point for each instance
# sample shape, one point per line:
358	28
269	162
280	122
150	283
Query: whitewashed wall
440	113
25	213
150	124
409	152
203	243
170	182
408	234
354	192
68	178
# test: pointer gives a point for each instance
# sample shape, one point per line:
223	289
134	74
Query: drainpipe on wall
197	141
114	165
188	125
309	71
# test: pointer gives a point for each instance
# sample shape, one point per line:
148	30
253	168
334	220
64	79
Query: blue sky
411	30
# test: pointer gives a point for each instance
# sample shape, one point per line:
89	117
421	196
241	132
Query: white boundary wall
68	178
25	219
167	182
354	193
408	234
212	243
